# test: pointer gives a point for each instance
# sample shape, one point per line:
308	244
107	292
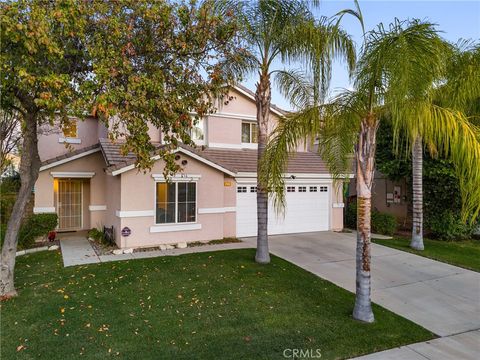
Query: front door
69	204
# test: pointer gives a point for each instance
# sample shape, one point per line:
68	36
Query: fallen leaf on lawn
247	338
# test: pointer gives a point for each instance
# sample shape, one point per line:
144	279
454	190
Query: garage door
307	209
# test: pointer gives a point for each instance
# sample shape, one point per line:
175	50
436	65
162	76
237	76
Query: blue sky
456	19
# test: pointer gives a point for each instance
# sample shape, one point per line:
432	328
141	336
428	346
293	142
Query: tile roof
245	160
241	160
70	154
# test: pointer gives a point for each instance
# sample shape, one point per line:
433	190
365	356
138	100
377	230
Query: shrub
34	226
448	226
96	235
3	228
10	184
382	223
99	236
7	200
351	215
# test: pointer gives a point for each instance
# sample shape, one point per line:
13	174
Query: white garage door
307	209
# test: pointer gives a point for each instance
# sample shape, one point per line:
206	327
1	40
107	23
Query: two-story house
90	184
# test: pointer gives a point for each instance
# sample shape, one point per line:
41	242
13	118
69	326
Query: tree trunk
365	166
417	186
263	99
29	168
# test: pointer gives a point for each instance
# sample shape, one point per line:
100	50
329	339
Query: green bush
351	215
99	236
34	226
448	226
10	184
3	228
382	223
7	200
96	235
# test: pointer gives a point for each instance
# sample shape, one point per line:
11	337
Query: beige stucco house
90	184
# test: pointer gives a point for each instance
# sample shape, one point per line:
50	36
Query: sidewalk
464	346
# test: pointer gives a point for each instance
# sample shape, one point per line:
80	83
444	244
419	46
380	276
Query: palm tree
461	88
390	78
286	31
461	91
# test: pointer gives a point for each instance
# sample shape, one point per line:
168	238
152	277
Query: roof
245	160
71	155
112	152
232	160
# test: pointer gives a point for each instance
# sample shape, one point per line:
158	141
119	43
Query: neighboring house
90	184
387	196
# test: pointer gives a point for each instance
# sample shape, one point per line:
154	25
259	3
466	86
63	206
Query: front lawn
217	305
464	253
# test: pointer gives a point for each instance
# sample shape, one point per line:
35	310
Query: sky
456	19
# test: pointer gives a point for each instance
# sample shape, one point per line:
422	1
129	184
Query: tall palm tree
461	91
458	70
286	32
393	60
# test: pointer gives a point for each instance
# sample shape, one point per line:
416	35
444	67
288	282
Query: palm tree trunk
263	98
417	185
29	168
365	165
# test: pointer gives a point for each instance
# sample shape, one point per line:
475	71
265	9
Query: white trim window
249	133
175	202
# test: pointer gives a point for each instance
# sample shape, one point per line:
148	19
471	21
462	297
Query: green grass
217	305
464	253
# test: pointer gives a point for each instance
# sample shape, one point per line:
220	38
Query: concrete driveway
442	298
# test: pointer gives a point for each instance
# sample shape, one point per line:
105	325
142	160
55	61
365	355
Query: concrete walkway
76	250
442	298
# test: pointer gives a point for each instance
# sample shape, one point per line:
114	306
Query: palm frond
287	136
295	86
460	88
459	140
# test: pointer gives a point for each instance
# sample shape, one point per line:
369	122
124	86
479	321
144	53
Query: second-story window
70	130
249	132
